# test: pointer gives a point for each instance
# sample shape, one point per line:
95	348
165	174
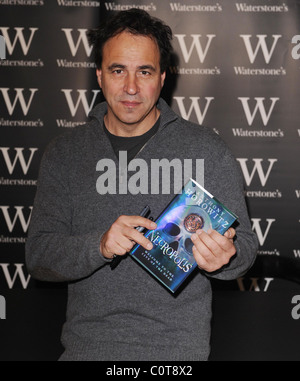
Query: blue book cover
171	260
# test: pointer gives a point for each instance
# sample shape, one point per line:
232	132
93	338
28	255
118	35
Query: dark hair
138	22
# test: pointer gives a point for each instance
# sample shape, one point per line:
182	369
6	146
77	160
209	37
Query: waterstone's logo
18	41
2	48
136	177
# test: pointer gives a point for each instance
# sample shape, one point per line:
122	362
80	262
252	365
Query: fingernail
153	225
149	246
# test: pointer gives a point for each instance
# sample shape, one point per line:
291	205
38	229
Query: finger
223	242
136	221
110	246
122	235
122	241
212	250
139	238
205	244
201	261
230	233
124	245
133	234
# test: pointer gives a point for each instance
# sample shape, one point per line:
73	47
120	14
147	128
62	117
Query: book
171	260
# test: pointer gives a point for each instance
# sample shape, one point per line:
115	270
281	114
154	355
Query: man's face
131	82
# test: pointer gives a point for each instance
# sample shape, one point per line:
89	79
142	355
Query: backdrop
236	70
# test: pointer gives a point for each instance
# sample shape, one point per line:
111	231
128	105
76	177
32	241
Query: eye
118	71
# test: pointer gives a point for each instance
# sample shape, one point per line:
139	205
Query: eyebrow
148	67
141	67
116	65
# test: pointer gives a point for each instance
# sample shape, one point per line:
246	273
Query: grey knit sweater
125	314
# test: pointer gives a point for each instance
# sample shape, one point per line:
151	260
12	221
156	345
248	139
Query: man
78	227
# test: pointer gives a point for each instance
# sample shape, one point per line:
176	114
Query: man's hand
122	235
212	250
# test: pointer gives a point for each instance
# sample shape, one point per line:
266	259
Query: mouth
130	104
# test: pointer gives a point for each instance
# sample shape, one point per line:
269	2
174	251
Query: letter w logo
19	156
19	273
19	36
261	44
257	229
195	44
18	97
18	215
194	106
258	107
82	38
81	99
256	168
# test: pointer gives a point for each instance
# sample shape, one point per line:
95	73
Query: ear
162	78
99	77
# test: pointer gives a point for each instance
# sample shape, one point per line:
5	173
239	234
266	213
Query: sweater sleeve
227	186
52	251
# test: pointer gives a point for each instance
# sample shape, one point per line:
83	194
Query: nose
131	85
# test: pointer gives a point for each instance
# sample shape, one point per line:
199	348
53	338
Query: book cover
171	259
